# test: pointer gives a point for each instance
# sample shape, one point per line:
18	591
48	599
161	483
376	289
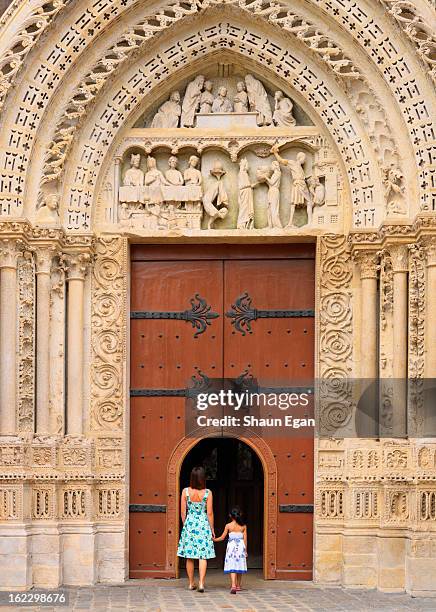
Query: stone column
76	264
9	252
367	417
43	266
117	170
400	267
430	310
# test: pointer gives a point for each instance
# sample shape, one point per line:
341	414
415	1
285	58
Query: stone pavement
173	596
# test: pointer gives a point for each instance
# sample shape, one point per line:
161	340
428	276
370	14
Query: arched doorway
235	476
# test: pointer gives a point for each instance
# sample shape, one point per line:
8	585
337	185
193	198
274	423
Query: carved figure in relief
216	200
191	101
300	194
245	197
258	99
317	190
168	115
240	101
192	175
222	104
48	213
283	111
272	177
172	175
394	190
134	176
206	98
154	180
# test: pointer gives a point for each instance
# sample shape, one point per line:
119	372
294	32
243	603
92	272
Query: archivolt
365	24
163	64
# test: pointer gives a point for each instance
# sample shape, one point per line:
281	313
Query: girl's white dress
235	561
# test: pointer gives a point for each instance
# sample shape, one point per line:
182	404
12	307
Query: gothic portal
273	151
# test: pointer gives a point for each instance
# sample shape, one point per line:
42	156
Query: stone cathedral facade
211	122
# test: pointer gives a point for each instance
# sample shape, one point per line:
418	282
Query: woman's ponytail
237	516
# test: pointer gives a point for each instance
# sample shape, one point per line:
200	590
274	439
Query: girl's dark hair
237	516
198	478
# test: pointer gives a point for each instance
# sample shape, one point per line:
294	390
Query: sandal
233	591
192	587
200	589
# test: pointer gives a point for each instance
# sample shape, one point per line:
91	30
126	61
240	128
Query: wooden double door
182	326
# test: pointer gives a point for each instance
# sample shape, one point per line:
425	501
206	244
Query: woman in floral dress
197	533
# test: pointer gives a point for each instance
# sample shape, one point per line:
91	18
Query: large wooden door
179	330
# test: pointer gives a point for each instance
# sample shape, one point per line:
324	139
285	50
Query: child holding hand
235	562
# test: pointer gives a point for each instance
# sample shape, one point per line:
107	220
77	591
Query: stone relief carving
169	197
240	101
168	115
108	334
258	100
251	97
336	334
283	110
394	191
26	342
245	197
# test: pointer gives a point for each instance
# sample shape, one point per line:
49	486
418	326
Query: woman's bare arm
223	536
209	508
245	540
183	506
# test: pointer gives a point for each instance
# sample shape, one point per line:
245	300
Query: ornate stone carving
168	115
258	100
300	195
283	106
48	213
191	101
393	181
75	264
221	103
245	197
330	503
335	332
26	343
108	334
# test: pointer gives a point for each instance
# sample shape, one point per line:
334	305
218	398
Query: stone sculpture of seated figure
222	103
172	175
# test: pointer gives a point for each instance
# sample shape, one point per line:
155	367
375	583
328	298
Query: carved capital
10	250
44	258
429	247
400	257
75	265
368	263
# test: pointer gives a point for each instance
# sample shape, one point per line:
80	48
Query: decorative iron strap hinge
147	508
296	508
242	314
200	384
199	315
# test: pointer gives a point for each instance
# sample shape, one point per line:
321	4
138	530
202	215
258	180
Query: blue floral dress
235	561
196	537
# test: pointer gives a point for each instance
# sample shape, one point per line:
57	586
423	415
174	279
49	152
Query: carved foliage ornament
108	333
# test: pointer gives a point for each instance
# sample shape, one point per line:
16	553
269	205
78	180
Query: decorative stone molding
26	343
10	251
399	257
368	264
75	265
108	335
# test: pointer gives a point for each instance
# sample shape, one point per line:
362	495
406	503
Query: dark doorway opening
234	474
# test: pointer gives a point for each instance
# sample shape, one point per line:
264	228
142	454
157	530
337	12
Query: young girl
235	562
